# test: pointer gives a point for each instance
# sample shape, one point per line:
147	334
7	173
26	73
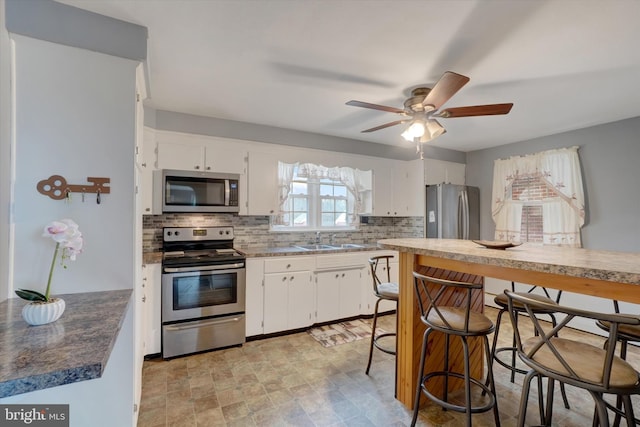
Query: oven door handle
200	324
203	268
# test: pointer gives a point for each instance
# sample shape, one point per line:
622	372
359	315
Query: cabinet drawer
338	261
278	265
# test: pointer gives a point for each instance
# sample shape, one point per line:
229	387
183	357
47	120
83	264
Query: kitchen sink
315	247
328	247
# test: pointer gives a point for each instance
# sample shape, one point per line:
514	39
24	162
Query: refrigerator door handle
460	227
465	214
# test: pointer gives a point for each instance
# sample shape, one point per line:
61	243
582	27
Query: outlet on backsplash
253	231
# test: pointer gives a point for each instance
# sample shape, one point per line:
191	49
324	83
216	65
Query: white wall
5	152
74	117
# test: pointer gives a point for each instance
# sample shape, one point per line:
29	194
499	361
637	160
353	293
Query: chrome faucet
332	239
317	237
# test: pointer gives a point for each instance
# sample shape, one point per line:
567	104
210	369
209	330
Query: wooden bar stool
436	298
384	290
626	334
573	362
502	302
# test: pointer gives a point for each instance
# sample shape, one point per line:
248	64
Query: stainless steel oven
203	290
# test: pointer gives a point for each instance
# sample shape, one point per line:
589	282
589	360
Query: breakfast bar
605	274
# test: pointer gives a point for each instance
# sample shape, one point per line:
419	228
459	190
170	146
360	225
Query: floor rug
343	332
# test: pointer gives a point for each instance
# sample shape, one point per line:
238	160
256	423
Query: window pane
326	190
300	219
299	188
340	191
299	204
327	205
327	219
341	219
341	205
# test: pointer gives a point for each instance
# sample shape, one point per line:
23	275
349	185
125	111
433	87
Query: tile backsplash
253	231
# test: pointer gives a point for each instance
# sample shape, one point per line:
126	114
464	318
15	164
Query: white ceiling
565	64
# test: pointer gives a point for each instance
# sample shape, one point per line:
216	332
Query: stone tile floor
294	381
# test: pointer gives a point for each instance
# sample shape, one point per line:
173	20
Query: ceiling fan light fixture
434	129
415	130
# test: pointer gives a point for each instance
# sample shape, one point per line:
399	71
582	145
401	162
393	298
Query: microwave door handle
227	192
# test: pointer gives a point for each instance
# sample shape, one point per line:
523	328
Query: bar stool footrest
458	408
380	346
512	350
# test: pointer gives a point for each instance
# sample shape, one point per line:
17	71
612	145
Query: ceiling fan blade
386	125
445	88
375	107
476	110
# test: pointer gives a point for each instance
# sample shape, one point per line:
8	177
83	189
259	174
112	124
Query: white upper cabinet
440	171
398	188
200	153
262	183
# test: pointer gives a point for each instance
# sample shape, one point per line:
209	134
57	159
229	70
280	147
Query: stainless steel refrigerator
453	211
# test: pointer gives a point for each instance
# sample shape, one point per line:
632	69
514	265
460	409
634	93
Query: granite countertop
621	267
271	251
256	252
74	348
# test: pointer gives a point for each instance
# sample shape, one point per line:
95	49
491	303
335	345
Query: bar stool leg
467	380
416	403
373	335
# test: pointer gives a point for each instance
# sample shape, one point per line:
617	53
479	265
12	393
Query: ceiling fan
422	108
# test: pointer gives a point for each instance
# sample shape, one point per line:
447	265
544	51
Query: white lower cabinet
254	300
338	294
151	322
289	298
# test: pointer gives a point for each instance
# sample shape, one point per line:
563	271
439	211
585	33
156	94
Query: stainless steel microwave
191	191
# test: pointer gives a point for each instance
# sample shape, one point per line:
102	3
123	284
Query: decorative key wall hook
57	188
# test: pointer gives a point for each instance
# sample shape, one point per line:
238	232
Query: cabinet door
262	178
409	190
383	189
301	300
224	157
327	296
151	322
254	296
146	168
182	156
350	293
276	296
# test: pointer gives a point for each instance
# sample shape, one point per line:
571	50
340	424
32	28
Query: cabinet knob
288	265
144	165
147	209
284	279
337	275
197	167
342	274
144	298
208	168
271	211
291	278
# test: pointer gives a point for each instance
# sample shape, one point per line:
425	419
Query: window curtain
563	216
354	179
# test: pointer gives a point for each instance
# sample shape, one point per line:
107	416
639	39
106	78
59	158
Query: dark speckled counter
74	348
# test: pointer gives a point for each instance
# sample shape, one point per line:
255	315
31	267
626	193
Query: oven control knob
220	232
169	233
227	232
177	232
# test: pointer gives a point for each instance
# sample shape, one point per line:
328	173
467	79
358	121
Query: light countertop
621	267
74	348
